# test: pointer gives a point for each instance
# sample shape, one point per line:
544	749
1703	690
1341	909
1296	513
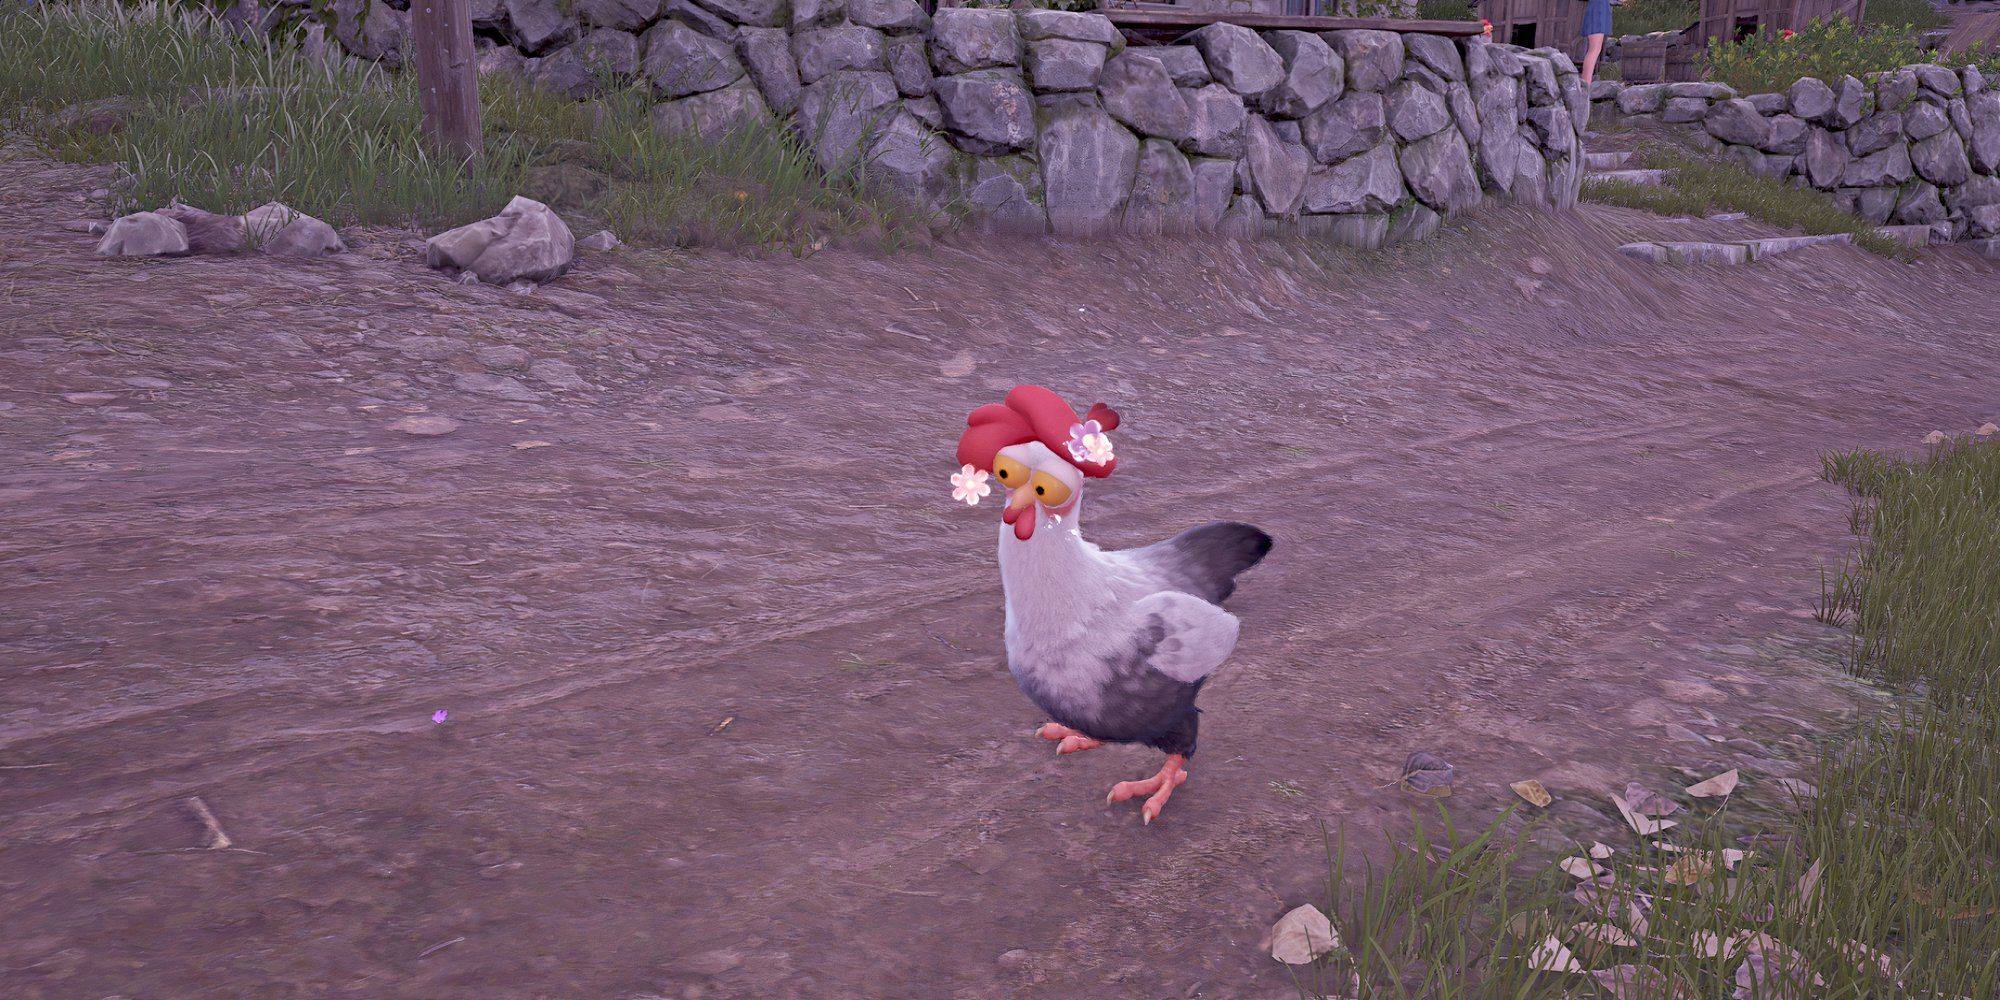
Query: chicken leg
1157	789
1072	741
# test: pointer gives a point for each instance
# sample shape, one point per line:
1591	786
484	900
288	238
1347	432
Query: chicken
1114	646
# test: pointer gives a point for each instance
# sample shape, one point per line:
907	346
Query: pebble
560	374
425	426
504	357
1014	957
427	348
89	398
497	385
148	382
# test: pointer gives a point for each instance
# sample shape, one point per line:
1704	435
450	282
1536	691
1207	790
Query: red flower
1787	33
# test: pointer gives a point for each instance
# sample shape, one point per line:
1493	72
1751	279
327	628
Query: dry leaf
1427	774
1709	944
1690	868
1303	936
1581	867
1934	437
1532	790
1731	857
1988	429
1525	925
525	445
1631	982
959	366
1610	934
1551	956
1647	802
1599	851
1863	956
1716	787
1644	826
1800	792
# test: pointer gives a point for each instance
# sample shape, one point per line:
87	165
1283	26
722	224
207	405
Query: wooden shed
1534	23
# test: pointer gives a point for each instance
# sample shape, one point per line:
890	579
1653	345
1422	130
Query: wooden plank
447	76
1126	17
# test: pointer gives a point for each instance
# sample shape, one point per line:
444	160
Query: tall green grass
1643	17
227	123
1875	879
1699	185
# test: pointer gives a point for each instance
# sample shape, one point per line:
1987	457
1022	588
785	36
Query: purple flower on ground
439	716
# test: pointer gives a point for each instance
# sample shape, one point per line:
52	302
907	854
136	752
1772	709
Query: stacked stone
1918	145
1046	121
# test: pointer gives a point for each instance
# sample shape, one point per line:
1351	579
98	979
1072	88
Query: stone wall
1047	121
1918	146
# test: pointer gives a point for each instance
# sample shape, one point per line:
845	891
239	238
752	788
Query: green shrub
1769	61
1446	10
1643	17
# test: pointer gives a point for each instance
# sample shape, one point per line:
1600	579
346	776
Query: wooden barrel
1683	61
1642	60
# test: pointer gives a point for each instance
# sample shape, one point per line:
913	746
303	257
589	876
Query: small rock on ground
425	426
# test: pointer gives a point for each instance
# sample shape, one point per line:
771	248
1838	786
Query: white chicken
1114	646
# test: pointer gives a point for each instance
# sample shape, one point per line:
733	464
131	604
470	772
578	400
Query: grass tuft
1873	874
1700	186
227	123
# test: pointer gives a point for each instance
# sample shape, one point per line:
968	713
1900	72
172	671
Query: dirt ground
1540	509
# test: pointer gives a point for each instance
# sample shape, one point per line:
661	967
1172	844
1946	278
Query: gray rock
1531	175
372	30
1498	101
1941	159
500	386
1824	159
583	68
700	18
807	14
912	160
888	15
1787	136
1875	132
1541	84
207	232
1373	59
1215	121
1553	129
681	61
1811	99
1412	222
1436	52
767	54
1245	220
1918	204
1982	221
755	13
1060	64
926	110
1004	196
600	241
1872	204
1760	164
502	357
1768	104
275	229
1465	113
143	234
1415	112
1973	80
1313	75
534	26
1973	193
1923	120
909	65
1605	90
1984	145
837	114
968	38
1703	90
1277	169
1037	25
1684	109
1736	122
1088	163
1644	99
823	51
1137	91
1884	168
992	107
625	15
713	114
1214	183
525	242
1238	58
1059	102
1439	172
552	372
1936	79
1163	191
1369	182
1960	117
1849	103
1354	124
502	60
1183	62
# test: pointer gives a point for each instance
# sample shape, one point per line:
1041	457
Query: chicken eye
1010	473
1052	492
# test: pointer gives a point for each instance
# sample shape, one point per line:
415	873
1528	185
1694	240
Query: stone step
1606	161
1989	248
1651	178
1731	252
1760	249
1917	236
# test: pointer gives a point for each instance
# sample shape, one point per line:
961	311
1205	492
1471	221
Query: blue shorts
1596	18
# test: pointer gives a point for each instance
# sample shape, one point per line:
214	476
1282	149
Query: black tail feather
1205	561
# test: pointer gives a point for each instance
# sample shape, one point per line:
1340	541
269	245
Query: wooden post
447	76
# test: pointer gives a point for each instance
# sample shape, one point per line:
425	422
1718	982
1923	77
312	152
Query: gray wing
1202	561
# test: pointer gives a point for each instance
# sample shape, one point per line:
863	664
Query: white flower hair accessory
1089	443
969	485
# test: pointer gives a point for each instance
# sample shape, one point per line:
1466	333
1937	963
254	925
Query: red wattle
1023	520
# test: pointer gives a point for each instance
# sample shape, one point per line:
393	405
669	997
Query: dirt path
1529	516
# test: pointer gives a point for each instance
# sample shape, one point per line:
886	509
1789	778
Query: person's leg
1590	54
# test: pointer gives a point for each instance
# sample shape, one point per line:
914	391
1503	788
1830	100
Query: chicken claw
1072	741
1157	789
